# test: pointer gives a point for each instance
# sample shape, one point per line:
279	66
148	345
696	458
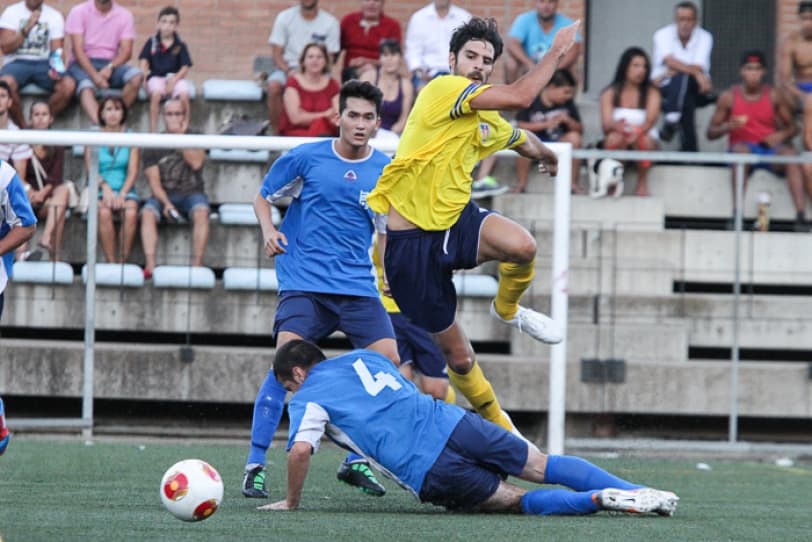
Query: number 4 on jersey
374	384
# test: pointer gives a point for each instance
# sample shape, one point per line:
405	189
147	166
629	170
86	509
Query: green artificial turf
108	491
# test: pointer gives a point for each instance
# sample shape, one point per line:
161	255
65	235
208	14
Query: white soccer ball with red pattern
191	490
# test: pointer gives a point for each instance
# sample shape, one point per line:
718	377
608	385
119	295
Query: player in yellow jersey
433	227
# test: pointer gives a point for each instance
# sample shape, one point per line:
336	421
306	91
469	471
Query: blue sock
267	412
353	457
560	502
581	475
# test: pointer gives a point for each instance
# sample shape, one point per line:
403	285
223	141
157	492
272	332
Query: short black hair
804	5
295	353
688	5
390	46
753	56
169	10
116	99
360	89
562	78
478	30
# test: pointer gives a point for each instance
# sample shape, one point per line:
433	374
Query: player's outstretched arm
298	464
521	93
534	149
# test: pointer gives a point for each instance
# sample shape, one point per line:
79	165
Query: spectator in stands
117	170
311	97
165	62
48	191
427	37
30	32
795	69
630	107
102	34
531	35
17	154
682	53
175	177
294	28
758	121
553	117
398	92
362	32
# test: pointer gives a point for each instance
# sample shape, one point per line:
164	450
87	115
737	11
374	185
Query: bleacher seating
117	275
626	268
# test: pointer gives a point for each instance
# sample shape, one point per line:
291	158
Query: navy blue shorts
314	316
416	346
420	265
470	467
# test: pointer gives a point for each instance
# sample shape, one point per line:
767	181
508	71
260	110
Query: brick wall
225	35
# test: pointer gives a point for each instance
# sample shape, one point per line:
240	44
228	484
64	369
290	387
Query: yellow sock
479	392
514	280
450	395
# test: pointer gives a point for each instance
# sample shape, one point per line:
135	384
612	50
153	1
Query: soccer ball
191	490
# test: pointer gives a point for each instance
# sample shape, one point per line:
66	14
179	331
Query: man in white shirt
427	38
29	32
681	68
292	29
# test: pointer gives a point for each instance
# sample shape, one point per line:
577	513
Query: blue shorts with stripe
472	464
314	316
420	265
416	346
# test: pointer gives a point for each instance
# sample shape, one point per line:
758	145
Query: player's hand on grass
274	243
278	505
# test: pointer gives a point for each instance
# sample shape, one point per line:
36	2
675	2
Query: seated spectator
531	35
48	191
427	37
294	28
398	92
16	154
175	177
553	117
30	32
117	170
758	121
311	97
165	62
682	53
629	107
102	33
362	32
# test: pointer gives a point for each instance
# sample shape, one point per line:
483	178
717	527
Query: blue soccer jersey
328	225
361	401
14	211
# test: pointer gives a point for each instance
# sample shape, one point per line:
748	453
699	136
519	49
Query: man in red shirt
757	121
361	34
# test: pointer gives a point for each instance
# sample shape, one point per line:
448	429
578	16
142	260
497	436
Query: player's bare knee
535	466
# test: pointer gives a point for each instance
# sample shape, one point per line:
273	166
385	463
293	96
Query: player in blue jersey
17	226
322	252
439	452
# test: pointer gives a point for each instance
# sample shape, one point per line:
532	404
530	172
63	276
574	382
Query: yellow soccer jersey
387	300
429	180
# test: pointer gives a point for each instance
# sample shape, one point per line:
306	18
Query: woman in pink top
310	98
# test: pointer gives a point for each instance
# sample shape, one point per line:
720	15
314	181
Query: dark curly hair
479	30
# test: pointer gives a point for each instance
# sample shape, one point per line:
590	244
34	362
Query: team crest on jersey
484	131
351	176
